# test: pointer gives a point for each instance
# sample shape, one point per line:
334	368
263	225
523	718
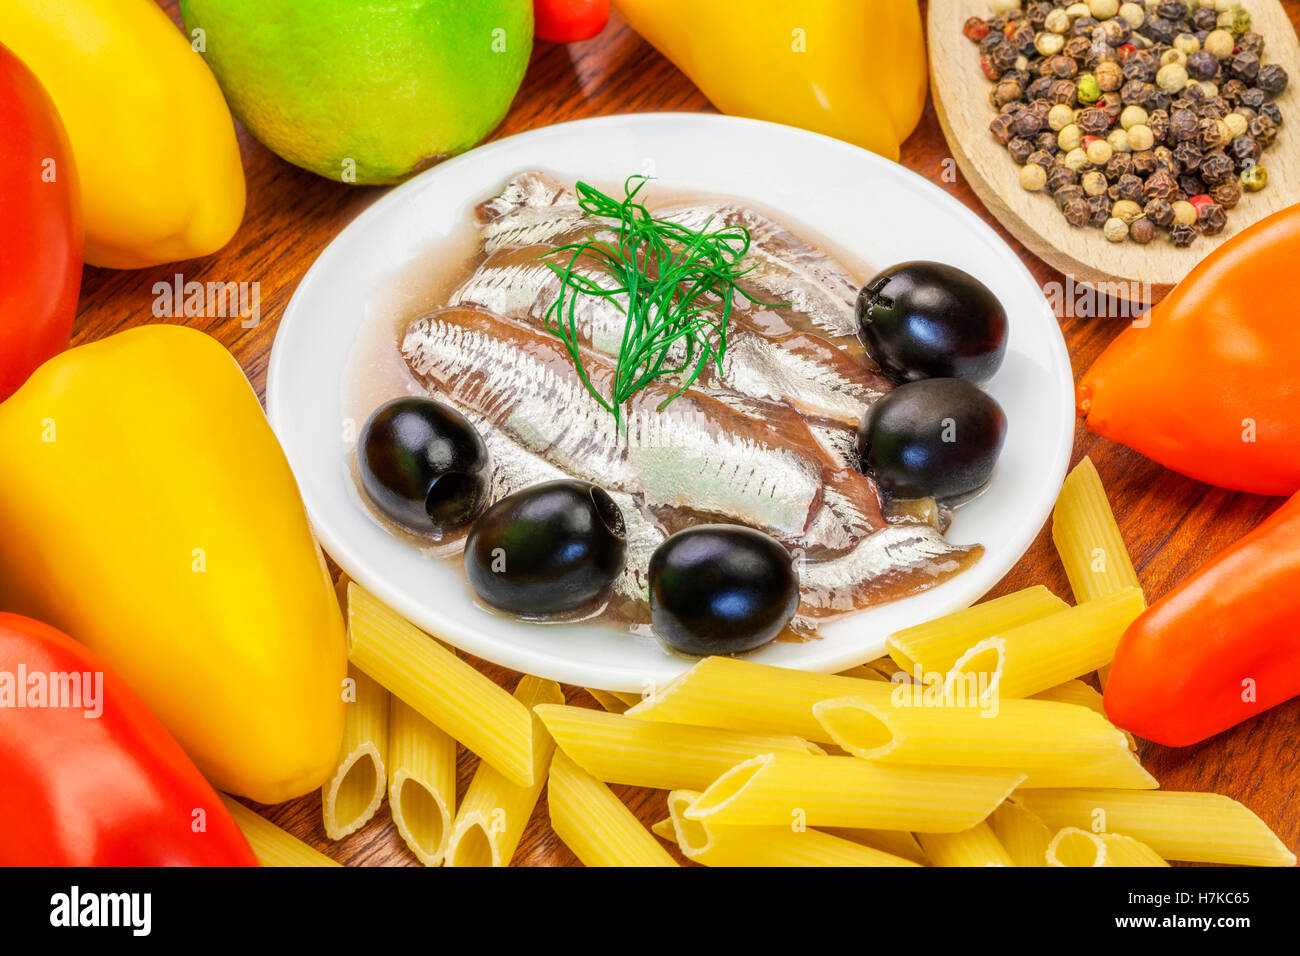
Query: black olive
928	320
939	437
721	589
423	465
549	548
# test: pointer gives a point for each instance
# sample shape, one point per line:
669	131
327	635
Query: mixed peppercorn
1135	117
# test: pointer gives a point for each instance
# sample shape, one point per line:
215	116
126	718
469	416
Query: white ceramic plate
879	211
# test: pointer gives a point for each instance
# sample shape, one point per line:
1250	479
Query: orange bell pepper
1210	386
1221	647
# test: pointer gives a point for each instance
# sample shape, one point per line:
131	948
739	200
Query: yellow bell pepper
148	511
161	176
853	70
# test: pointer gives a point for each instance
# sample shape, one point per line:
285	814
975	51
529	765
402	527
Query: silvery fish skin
534	208
531	208
696	454
806	371
897	560
782	267
514	468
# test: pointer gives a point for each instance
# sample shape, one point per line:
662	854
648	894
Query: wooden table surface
1171	524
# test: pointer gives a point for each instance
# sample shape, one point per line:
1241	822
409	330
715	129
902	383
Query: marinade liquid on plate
767	441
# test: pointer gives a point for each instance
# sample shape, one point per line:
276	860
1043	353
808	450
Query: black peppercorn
1129	187
1042	158
1251	42
1121	164
1188	156
1166	160
1047	141
1190	184
992	41
1060	67
1077	48
1003	57
1183	235
1233	91
1099	210
1273	112
1078	212
1060	176
1037	13
1028	123
1245	151
1158	28
1083	26
1172	10
1038	88
1062	92
1067	194
1205	18
1094	121
1144	162
1252	98
1263	129
1142	231
1211	134
1217	168
1161	212
1020	150
1212	220
1182	125
1003	128
1158	123
1227	194
1160	185
1245	67
1272	80
1201	65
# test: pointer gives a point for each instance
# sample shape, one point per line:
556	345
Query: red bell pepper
41	233
90	777
1221	647
1209	386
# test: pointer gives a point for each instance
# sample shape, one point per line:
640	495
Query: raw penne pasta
754	698
933	647
895	842
1125	851
271	845
421	782
781	789
1074	847
1049	651
714	845
665	830
607	700
356	788
1022	834
595	824
1195	827
1085	695
492	817
974	846
639	753
1087	537
1120	772
1020	734
440	686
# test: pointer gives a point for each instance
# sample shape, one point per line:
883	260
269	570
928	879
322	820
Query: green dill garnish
675	285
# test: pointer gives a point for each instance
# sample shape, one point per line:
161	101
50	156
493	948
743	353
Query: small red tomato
569	21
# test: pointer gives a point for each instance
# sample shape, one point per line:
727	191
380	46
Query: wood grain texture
961	98
1171	524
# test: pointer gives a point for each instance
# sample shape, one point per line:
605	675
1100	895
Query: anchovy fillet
695	454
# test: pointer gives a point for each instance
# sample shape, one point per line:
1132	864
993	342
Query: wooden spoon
1126	270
